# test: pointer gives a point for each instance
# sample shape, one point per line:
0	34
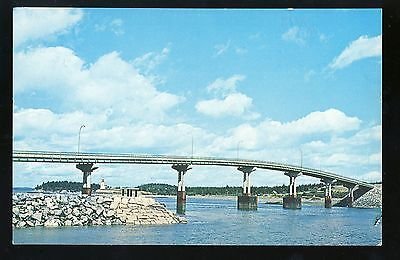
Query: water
218	222
22	189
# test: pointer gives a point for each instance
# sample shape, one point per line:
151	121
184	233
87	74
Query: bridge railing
199	160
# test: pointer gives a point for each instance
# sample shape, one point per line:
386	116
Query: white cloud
110	83
150	60
277	134
221	48
361	48
231	103
338	144
234	104
46	68
309	74
323	38
268	140
372	176
240	51
116	27
225	86
296	35
331	120
36	23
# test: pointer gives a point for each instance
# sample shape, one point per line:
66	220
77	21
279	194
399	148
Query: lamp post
301	158
79	136
237	150
192	146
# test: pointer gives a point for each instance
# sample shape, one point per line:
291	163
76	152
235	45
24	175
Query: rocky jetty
371	199
53	210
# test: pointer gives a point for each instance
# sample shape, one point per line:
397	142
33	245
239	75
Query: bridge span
85	162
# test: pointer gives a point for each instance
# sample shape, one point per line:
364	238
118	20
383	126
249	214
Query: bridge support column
328	192
350	196
181	193
87	169
246	201
292	201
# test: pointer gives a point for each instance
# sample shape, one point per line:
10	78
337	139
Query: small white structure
102	185
125	192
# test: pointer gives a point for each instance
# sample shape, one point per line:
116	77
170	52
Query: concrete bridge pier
292	201
87	169
350	196
328	192
181	193
246	201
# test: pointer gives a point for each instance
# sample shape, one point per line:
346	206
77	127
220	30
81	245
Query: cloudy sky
261	84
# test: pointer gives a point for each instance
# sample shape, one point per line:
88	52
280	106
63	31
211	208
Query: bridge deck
71	157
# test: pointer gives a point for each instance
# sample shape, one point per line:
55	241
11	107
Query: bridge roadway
73	157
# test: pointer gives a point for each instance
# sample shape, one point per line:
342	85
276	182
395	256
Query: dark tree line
166	189
64	185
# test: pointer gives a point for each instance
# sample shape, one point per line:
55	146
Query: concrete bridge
85	162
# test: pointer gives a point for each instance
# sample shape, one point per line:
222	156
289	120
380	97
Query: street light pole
237	150
192	146
79	136
301	158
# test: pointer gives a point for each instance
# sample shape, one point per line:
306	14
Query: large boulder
37	216
52	222
57	212
15	210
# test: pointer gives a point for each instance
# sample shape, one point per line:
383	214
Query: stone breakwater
53	210
371	199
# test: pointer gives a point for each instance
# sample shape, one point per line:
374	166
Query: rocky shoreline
371	199
54	210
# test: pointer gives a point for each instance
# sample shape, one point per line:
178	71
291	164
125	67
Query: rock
68	210
117	200
100	200
114	205
89	211
371	199
99	210
53	222
21	224
110	213
76	212
117	222
30	223
84	219
124	200
53	207
15	210
76	223
123	206
182	220
45	211
23	215
131	219
37	216
107	199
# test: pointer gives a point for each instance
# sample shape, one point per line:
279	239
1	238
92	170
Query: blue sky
271	82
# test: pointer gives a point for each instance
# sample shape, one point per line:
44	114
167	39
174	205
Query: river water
218	222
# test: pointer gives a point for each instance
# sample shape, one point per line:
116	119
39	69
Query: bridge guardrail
74	157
